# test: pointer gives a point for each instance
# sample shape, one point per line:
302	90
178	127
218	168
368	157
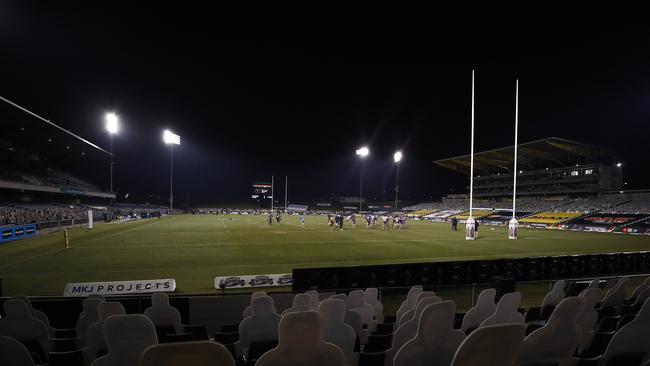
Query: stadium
541	251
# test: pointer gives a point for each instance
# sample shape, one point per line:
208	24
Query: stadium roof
551	152
22	129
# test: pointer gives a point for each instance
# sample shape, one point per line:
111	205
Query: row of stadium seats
592	327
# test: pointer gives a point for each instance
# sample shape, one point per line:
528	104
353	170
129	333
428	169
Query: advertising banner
267	280
83	289
602	221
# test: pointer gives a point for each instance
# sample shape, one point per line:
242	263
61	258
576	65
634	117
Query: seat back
588	316
162	314
616	295
19	325
408	314
494	345
202	353
335	330
262	325
95	340
14	353
127	336
642	297
356	303
301	302
300	343
247	311
409	328
506	311
595	283
435	342
644	285
315	299
371	297
88	316
37	314
410	301
558	339
632	338
484	307
555	295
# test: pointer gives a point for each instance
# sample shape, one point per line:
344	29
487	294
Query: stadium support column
171	176
469	223
513	224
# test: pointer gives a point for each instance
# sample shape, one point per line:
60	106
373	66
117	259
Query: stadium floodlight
112	123
171	138
363	152
619	165
397	157
112	126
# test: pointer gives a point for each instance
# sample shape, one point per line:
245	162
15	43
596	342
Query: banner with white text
84	289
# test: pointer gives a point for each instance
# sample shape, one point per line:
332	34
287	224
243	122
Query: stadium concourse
577	323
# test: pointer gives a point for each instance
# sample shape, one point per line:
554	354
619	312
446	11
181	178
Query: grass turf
195	248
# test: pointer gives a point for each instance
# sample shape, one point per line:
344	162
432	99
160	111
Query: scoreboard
262	190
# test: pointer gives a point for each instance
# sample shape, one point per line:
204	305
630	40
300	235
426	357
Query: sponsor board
266	280
84	289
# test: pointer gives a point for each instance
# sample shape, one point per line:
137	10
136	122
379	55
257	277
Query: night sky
262	91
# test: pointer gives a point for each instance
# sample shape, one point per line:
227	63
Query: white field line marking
83	243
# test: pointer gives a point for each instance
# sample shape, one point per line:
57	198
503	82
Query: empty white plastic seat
639	289
301	302
162	315
88	316
506	311
588	316
408	314
127	336
315	299
261	326
632	338
247	311
483	309
300	343
408	330
95	340
356	303
616	295
19	325
203	353
595	283
353	319
556	341
554	296
36	314
492	345
371	297
14	353
436	340
409	303
335	330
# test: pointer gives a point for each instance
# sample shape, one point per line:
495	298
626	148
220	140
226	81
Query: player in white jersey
302	220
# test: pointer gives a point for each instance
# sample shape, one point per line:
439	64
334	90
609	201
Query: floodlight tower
362	153
470	228
397	157
112	126
513	225
171	139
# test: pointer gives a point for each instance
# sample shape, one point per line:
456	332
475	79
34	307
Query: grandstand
550	166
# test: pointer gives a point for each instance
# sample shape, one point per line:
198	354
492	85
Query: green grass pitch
195	248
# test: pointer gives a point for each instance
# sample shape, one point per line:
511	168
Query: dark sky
261	91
